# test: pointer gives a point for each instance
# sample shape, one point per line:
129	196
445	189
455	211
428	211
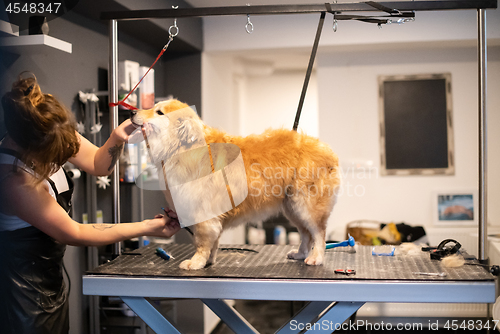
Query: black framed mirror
416	124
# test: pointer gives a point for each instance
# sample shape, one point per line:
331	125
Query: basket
363	231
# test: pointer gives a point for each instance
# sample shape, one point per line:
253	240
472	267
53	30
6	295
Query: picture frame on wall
416	124
455	208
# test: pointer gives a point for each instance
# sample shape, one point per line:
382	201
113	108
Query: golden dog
286	172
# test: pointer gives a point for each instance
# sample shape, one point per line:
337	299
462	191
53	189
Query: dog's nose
133	113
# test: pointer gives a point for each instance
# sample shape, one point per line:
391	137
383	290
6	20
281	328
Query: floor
268	316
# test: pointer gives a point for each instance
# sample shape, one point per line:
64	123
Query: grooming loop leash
309	70
172	32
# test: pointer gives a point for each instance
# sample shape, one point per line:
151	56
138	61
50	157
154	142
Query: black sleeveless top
32	289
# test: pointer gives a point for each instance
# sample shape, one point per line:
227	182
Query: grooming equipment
447	247
164	255
349	242
346	272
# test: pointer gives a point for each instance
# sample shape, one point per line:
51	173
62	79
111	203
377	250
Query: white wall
242	97
272	101
347	67
218	98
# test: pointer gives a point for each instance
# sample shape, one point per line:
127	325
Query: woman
35	197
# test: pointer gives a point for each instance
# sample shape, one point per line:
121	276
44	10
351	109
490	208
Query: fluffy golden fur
286	171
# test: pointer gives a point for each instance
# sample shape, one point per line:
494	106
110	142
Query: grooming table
269	275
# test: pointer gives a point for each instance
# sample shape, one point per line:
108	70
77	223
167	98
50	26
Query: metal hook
396	12
249	25
174	26
329	9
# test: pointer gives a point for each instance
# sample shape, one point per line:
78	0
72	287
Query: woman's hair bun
40	125
29	90
26	90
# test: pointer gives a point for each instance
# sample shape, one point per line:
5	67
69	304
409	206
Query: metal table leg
308	314
150	315
230	316
335	316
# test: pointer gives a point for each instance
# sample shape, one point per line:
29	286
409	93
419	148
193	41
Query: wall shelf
32	43
8	29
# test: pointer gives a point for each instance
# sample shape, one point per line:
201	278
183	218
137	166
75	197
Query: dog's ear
189	130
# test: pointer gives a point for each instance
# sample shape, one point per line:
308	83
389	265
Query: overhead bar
295	9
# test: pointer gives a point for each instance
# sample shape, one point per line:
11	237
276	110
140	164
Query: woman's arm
101	160
34	205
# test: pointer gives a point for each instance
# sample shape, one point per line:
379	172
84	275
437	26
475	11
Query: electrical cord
67	276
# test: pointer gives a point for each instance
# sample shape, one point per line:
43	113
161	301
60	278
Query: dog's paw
314	260
296	255
191	265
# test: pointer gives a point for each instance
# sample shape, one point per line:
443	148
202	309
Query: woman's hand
102	161
162	226
123	131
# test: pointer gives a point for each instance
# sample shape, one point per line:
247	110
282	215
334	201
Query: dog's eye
159	112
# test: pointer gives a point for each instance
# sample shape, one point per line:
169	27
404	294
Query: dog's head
171	127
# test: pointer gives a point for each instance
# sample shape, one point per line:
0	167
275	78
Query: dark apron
32	289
